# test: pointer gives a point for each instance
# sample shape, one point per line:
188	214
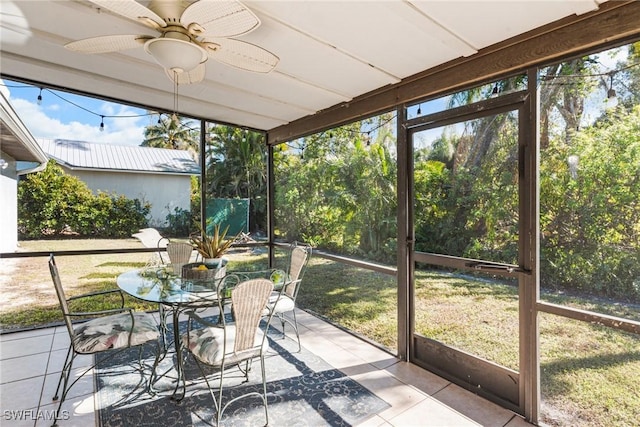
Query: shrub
52	203
179	223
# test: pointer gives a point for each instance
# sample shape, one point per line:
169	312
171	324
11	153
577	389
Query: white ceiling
330	51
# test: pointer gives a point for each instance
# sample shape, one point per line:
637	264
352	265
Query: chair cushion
112	332
207	345
283	305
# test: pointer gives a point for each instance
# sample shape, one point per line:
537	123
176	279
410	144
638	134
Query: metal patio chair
115	329
283	301
233	343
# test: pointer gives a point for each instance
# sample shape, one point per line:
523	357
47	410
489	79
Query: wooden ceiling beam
613	22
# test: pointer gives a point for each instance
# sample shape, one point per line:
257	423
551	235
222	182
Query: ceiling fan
189	34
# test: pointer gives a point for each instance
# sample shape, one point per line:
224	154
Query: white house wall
9	205
164	192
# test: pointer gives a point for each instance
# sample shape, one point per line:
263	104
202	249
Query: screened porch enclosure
460	216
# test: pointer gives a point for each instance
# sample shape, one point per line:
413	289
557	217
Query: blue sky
67	116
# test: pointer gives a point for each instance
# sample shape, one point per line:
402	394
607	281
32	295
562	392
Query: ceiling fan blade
243	55
212	18
133	10
106	44
194	76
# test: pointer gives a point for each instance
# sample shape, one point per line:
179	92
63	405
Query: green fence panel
231	212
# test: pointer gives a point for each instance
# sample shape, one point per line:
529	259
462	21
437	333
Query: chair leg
295	328
264	391
65	373
293	324
220	406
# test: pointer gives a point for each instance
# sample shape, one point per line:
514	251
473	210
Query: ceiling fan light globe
175	54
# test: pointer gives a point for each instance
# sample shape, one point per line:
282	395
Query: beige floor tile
431	413
23	394
56	361
10	336
375	421
19	418
422	379
76	412
20	368
61	340
84	385
473	406
26	346
397	394
404	386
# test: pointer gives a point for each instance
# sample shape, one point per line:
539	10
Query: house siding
163	192
9	206
159	176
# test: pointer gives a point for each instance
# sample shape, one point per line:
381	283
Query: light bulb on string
419	112
101	123
40	97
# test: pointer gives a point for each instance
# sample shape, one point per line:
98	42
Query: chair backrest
179	255
249	299
298	260
62	299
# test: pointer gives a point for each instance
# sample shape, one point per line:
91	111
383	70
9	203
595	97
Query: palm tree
236	168
174	133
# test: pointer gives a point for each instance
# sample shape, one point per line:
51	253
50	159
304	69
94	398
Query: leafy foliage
179	222
236	168
211	246
172	132
52	203
590	217
337	190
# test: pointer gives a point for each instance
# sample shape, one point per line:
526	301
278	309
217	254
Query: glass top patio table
157	285
161	287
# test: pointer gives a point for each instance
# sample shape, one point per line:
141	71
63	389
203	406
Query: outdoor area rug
302	390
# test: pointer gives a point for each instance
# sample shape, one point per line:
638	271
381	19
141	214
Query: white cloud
121	131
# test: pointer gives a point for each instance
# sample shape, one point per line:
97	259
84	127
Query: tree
236	168
336	189
174	133
590	217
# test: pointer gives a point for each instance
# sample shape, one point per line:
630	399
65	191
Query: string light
52	92
101	123
419	112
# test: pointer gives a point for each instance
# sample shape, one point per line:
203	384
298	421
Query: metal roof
87	155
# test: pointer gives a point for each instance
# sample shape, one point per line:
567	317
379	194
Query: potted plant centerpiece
212	247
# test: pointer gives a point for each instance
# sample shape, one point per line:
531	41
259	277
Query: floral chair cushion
112	332
207	345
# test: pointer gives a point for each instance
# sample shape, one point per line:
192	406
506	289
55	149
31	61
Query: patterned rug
302	390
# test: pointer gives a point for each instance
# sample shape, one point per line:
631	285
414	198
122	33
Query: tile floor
30	363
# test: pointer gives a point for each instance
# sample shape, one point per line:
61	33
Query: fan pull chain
175	95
